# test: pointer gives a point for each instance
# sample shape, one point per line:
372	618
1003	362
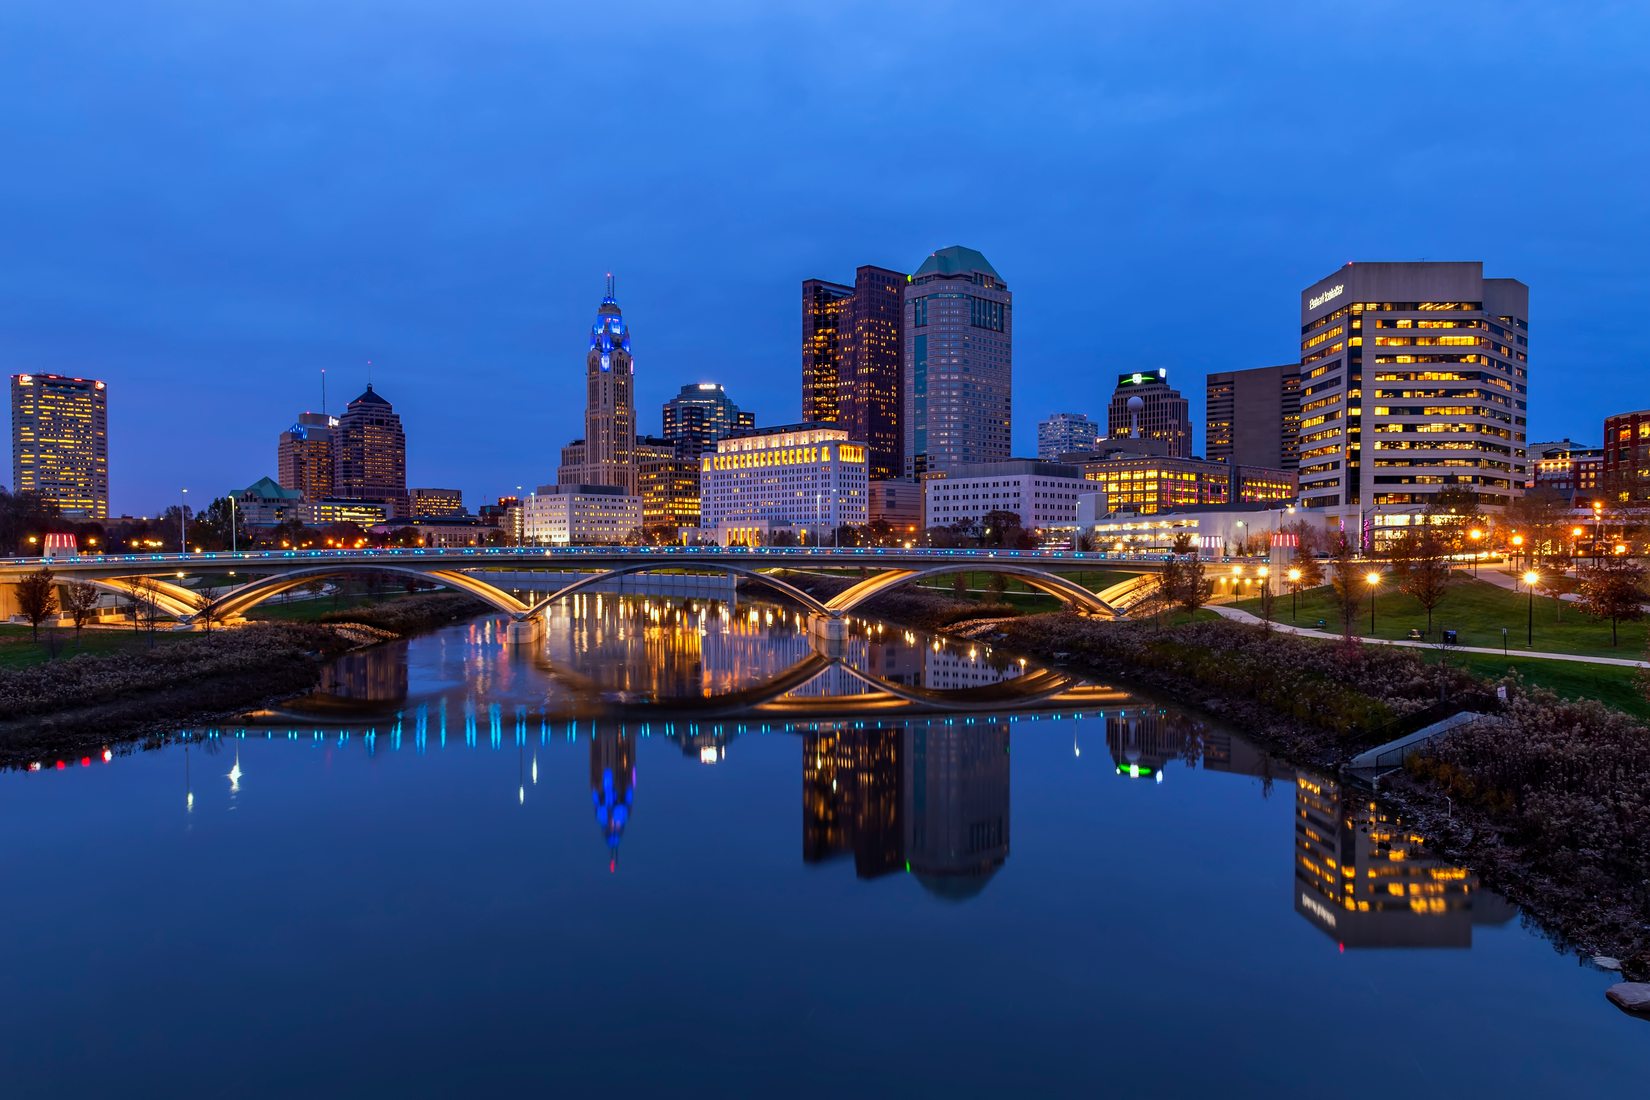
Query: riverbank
74	706
1548	802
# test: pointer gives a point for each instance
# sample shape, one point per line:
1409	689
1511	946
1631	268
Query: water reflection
1367	881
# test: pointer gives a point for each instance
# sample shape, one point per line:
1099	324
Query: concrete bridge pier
526	631
830	634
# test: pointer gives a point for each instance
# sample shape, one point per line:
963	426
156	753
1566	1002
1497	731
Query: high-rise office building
607	456
701	414
851	361
370	453
304	458
1251	417
1414	380
60	442
1064	433
958	371
1145	406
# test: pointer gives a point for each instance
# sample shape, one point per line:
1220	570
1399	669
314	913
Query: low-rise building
1566	469
1627	458
442	531
362	513
504	515
1214	532
265	503
897	501
436	502
811	477
1146	484
1042	494
580	515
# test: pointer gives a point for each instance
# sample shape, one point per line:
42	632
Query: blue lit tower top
609	333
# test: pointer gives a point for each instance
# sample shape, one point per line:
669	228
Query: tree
1195	588
1421	560
22	515
1543	518
1182	543
1307	562
37	598
997	585
220	527
79	601
208	613
1268	599
1001	528
1346	581
146	605
1614	590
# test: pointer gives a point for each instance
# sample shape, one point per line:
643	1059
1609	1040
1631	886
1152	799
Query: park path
1245	617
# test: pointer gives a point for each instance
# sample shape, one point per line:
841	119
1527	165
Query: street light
1374	580
183	509
1518	542
1294	593
234	545
1530	577
1475	534
1598	517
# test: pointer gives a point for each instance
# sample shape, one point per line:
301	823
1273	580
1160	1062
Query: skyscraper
60	442
851	361
607	456
370	453
700	415
959	372
1414	379
1162	414
1064	433
304	458
1251	417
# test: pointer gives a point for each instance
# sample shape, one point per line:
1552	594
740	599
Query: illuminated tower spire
610	403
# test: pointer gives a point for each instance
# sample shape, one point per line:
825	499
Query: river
676	847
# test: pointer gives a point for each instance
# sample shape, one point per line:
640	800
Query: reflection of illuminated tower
1366	881
612	786
851	798
955	805
1143	741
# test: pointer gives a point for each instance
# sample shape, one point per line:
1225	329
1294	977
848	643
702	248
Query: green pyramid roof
957	260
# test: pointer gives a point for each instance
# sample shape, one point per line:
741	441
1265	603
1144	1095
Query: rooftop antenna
609	286
369	374
323	391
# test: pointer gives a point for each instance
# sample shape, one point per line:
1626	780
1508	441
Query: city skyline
482	272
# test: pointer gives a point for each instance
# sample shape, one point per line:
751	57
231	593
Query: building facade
669	488
1414	380
1252	417
1146	484
1627	458
1041	494
1566	469
810	477
1064	433
579	515
897	501
266	503
701	414
1145	406
60	442
958	363
852	350
305	458
434	503
606	454
370	453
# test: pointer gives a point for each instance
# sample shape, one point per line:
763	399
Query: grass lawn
1477	611
18	651
1612	685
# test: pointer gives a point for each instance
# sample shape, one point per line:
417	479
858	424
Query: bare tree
1421	560
1344	578
1268	598
79	601
1194	588
37	598
146	595
208	612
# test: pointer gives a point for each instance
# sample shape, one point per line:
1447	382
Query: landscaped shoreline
1575	856
79	705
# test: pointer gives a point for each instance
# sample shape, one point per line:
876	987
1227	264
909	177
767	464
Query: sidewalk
1254	620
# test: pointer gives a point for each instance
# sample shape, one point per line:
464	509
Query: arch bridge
154	579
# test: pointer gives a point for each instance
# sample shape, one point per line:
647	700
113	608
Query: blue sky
207	203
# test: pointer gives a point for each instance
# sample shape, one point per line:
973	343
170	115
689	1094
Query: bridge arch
239	601
1067	591
811	603
171	599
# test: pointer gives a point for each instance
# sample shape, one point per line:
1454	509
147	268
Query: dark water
463	869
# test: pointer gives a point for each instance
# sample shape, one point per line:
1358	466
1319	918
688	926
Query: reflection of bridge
154	579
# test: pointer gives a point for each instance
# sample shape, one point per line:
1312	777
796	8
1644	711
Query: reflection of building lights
235	775
707	754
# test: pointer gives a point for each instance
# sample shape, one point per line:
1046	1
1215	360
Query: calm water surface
676	848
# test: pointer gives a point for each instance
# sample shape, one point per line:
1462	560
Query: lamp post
1294	594
1476	535
234	541
1374	580
1530	577
1598	517
1575	544
1518	544
183	511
